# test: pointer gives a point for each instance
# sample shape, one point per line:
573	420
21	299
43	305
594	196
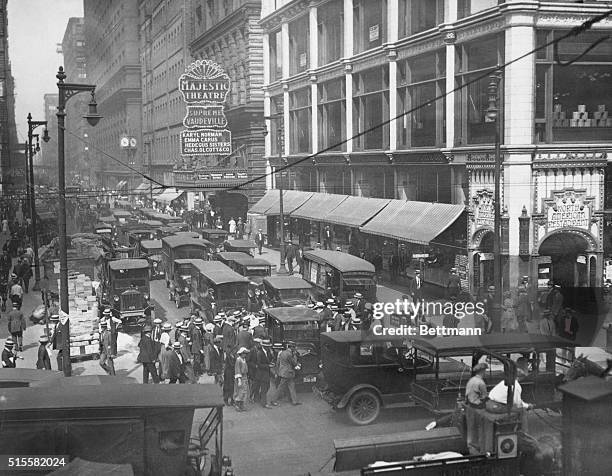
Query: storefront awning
120	184
292	199
143	188
168	195
319	205
355	211
265	203
414	222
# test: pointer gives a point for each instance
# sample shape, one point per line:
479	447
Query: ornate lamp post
32	125
279	143
493	114
66	91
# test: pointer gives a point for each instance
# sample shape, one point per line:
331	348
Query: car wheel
364	407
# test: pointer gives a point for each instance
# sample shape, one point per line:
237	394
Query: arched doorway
483	265
569	261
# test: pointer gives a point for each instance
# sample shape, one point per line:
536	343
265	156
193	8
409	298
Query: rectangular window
332	118
420	81
419	15
299	120
330	31
475	59
276	125
470	7
276	61
298	45
573	101
370	109
369	24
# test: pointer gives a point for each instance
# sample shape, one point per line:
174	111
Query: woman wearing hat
43	362
241	379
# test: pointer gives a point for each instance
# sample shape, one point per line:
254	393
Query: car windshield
294	294
301	330
183	269
257	271
362	285
126	283
231	291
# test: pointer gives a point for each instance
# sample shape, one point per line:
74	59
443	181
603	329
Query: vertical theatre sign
205	86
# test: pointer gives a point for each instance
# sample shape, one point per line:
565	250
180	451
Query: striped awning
319	205
355	211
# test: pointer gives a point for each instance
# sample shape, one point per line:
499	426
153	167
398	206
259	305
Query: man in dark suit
287	364
290	256
216	360
197	347
453	284
149	350
244	337
61	343
229	334
259	240
176	365
43	362
264	361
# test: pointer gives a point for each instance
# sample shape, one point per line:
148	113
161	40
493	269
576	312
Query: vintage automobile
104	228
151	250
181	247
215	235
300	325
255	269
215	287
136	235
245	246
120	215
283	291
126	287
180	287
134	429
152	224
363	373
227	257
338	273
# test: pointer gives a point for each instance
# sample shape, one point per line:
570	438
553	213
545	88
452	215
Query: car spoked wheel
364	407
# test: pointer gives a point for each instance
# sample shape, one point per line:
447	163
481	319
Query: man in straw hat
43	362
106	350
475	399
241	379
9	357
287	364
216	359
176	367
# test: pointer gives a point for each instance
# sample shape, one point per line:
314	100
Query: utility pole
279	146
493	115
31	126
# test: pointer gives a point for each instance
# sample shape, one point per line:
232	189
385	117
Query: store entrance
568	259
484	272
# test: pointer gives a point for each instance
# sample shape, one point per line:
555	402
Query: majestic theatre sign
204	86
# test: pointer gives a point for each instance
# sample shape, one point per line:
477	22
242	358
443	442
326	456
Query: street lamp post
493	115
279	132
32	125
66	91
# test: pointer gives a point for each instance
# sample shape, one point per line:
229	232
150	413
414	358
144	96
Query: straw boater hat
355	320
479	367
310	305
266	342
349	303
198	321
491	288
358	296
147	329
55	317
218	318
209	327
8	343
176	345
243	350
43	339
157	321
167	326
319	305
330	301
106	312
258	340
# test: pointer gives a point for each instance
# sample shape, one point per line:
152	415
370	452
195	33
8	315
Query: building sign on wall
568	211
484	210
374	33
205	86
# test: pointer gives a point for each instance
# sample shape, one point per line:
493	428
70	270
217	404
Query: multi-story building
77	130
164	53
228	33
11	171
112	45
46	161
389	99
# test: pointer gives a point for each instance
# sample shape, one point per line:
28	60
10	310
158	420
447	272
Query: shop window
298	45
465	8
331	117
275	131
331	31
474	60
369	24
300	120
419	15
573	101
420	80
276	62
370	109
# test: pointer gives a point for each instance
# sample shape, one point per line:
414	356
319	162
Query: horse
582	366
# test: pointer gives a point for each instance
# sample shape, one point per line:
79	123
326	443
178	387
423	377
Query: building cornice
285	13
239	18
